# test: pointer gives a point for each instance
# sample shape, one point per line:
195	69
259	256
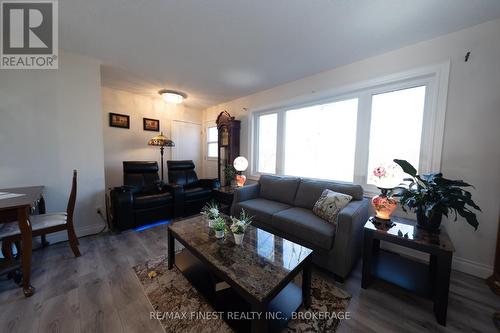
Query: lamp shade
240	163
161	140
387	176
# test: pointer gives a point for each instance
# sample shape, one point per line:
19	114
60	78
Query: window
212	138
344	137
400	111
268	127
311	132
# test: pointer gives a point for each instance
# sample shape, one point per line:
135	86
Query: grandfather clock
228	144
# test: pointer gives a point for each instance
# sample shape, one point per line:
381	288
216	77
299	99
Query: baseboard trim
459	264
62	236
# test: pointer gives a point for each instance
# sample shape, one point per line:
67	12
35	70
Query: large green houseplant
431	196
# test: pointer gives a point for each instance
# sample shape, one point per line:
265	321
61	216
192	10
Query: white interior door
187	139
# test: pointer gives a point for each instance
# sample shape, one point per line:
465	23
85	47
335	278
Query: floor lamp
162	142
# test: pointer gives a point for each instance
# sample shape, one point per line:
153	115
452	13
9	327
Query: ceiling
218	50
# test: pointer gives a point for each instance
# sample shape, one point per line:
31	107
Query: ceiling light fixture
172	96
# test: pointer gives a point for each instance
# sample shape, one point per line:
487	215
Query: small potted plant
211	212
229	175
239	226
432	196
219	226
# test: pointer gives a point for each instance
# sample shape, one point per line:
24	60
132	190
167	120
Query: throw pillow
329	205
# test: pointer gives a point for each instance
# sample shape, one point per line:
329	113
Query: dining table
16	204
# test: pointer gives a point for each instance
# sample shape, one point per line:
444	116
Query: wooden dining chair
44	224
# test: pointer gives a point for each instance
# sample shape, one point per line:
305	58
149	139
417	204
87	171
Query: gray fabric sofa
283	206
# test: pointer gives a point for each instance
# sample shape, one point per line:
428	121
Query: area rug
176	301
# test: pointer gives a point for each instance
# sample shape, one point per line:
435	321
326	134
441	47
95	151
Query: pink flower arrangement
379	172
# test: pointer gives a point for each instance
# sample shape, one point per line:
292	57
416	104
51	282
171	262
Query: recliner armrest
177	192
209	183
122	203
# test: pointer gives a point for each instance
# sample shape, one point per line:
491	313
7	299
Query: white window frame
434	77
207	143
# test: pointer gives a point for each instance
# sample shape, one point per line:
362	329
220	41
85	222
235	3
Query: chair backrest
70	209
181	172
142	175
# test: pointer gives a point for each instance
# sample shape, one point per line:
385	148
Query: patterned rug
171	293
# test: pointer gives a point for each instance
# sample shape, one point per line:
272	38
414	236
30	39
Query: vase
219	233
210	223
383	205
240	180
238	238
432	223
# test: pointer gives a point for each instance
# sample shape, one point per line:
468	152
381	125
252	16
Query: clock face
225	137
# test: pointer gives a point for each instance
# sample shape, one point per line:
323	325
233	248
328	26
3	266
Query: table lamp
240	164
162	142
385	177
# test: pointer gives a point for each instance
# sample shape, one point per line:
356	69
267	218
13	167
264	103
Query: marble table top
406	229
258	265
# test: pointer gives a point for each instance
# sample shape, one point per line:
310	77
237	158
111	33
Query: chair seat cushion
196	193
303	224
38	222
143	201
262	209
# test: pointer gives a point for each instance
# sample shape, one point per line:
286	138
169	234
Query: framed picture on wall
119	120
151	124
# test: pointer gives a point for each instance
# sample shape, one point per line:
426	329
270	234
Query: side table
224	196
429	280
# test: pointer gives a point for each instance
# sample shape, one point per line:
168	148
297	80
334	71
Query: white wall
50	124
131	144
472	135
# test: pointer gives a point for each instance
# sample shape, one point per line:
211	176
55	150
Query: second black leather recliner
195	193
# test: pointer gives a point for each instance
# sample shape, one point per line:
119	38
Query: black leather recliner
143	199
195	192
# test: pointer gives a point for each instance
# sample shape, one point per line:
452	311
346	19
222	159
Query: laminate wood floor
99	292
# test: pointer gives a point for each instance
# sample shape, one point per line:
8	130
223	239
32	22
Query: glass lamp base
383	206
240	180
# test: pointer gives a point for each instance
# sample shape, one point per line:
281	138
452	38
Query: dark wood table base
286	302
288	298
431	281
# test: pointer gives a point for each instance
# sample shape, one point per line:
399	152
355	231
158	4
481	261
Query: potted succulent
431	196
211	212
219	226
239	226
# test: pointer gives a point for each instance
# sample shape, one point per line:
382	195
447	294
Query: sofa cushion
277	188
303	224
261	209
329	204
152	200
309	191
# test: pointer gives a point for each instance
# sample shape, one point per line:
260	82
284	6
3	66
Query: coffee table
259	272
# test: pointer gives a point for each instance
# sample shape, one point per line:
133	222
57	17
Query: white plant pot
238	238
219	234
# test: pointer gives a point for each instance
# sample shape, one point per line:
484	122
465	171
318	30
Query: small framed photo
119	120
151	124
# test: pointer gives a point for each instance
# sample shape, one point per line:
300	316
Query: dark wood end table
429	280
224	196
